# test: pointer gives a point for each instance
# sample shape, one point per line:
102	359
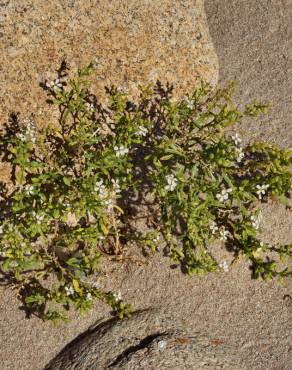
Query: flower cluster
237	139
261	190
171	182
189	102
224	234
29	133
224	195
29	189
256	220
101	189
214	228
142	131
224	266
88	296
156	238
240	155
116	185
69	290
121	150
117	296
56	84
39	218
106	195
239	150
90	107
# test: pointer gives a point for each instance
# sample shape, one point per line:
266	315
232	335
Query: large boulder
147	341
133	41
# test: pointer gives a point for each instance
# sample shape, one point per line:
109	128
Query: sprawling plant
76	182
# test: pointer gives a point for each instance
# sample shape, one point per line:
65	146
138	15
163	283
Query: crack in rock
144	343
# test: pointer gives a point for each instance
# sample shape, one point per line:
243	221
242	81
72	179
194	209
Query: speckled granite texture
134	41
149	340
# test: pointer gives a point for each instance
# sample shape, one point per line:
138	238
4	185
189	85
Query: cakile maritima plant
74	181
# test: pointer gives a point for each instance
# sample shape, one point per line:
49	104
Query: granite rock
149	340
133	42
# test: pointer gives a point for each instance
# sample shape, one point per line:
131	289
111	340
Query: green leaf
166	157
56	213
103	227
39	299
67	181
76	286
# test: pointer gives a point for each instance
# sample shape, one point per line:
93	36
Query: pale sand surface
250	316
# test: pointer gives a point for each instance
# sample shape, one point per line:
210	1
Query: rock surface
133	41
149	340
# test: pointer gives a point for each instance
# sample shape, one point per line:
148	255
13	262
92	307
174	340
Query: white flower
109	203
256	220
30	126
224	265
260	248
142	131
69	290
214	227
171	182
261	190
21	136
116	185
29	189
240	155
13	264
88	296
3	254
99	185
55	84
101	189
223	234
1	229
121	150
90	107
224	195
30	132
156	239
189	102
39	218
117	296
237	139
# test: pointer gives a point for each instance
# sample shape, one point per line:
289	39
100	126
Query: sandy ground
253	42
252	317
